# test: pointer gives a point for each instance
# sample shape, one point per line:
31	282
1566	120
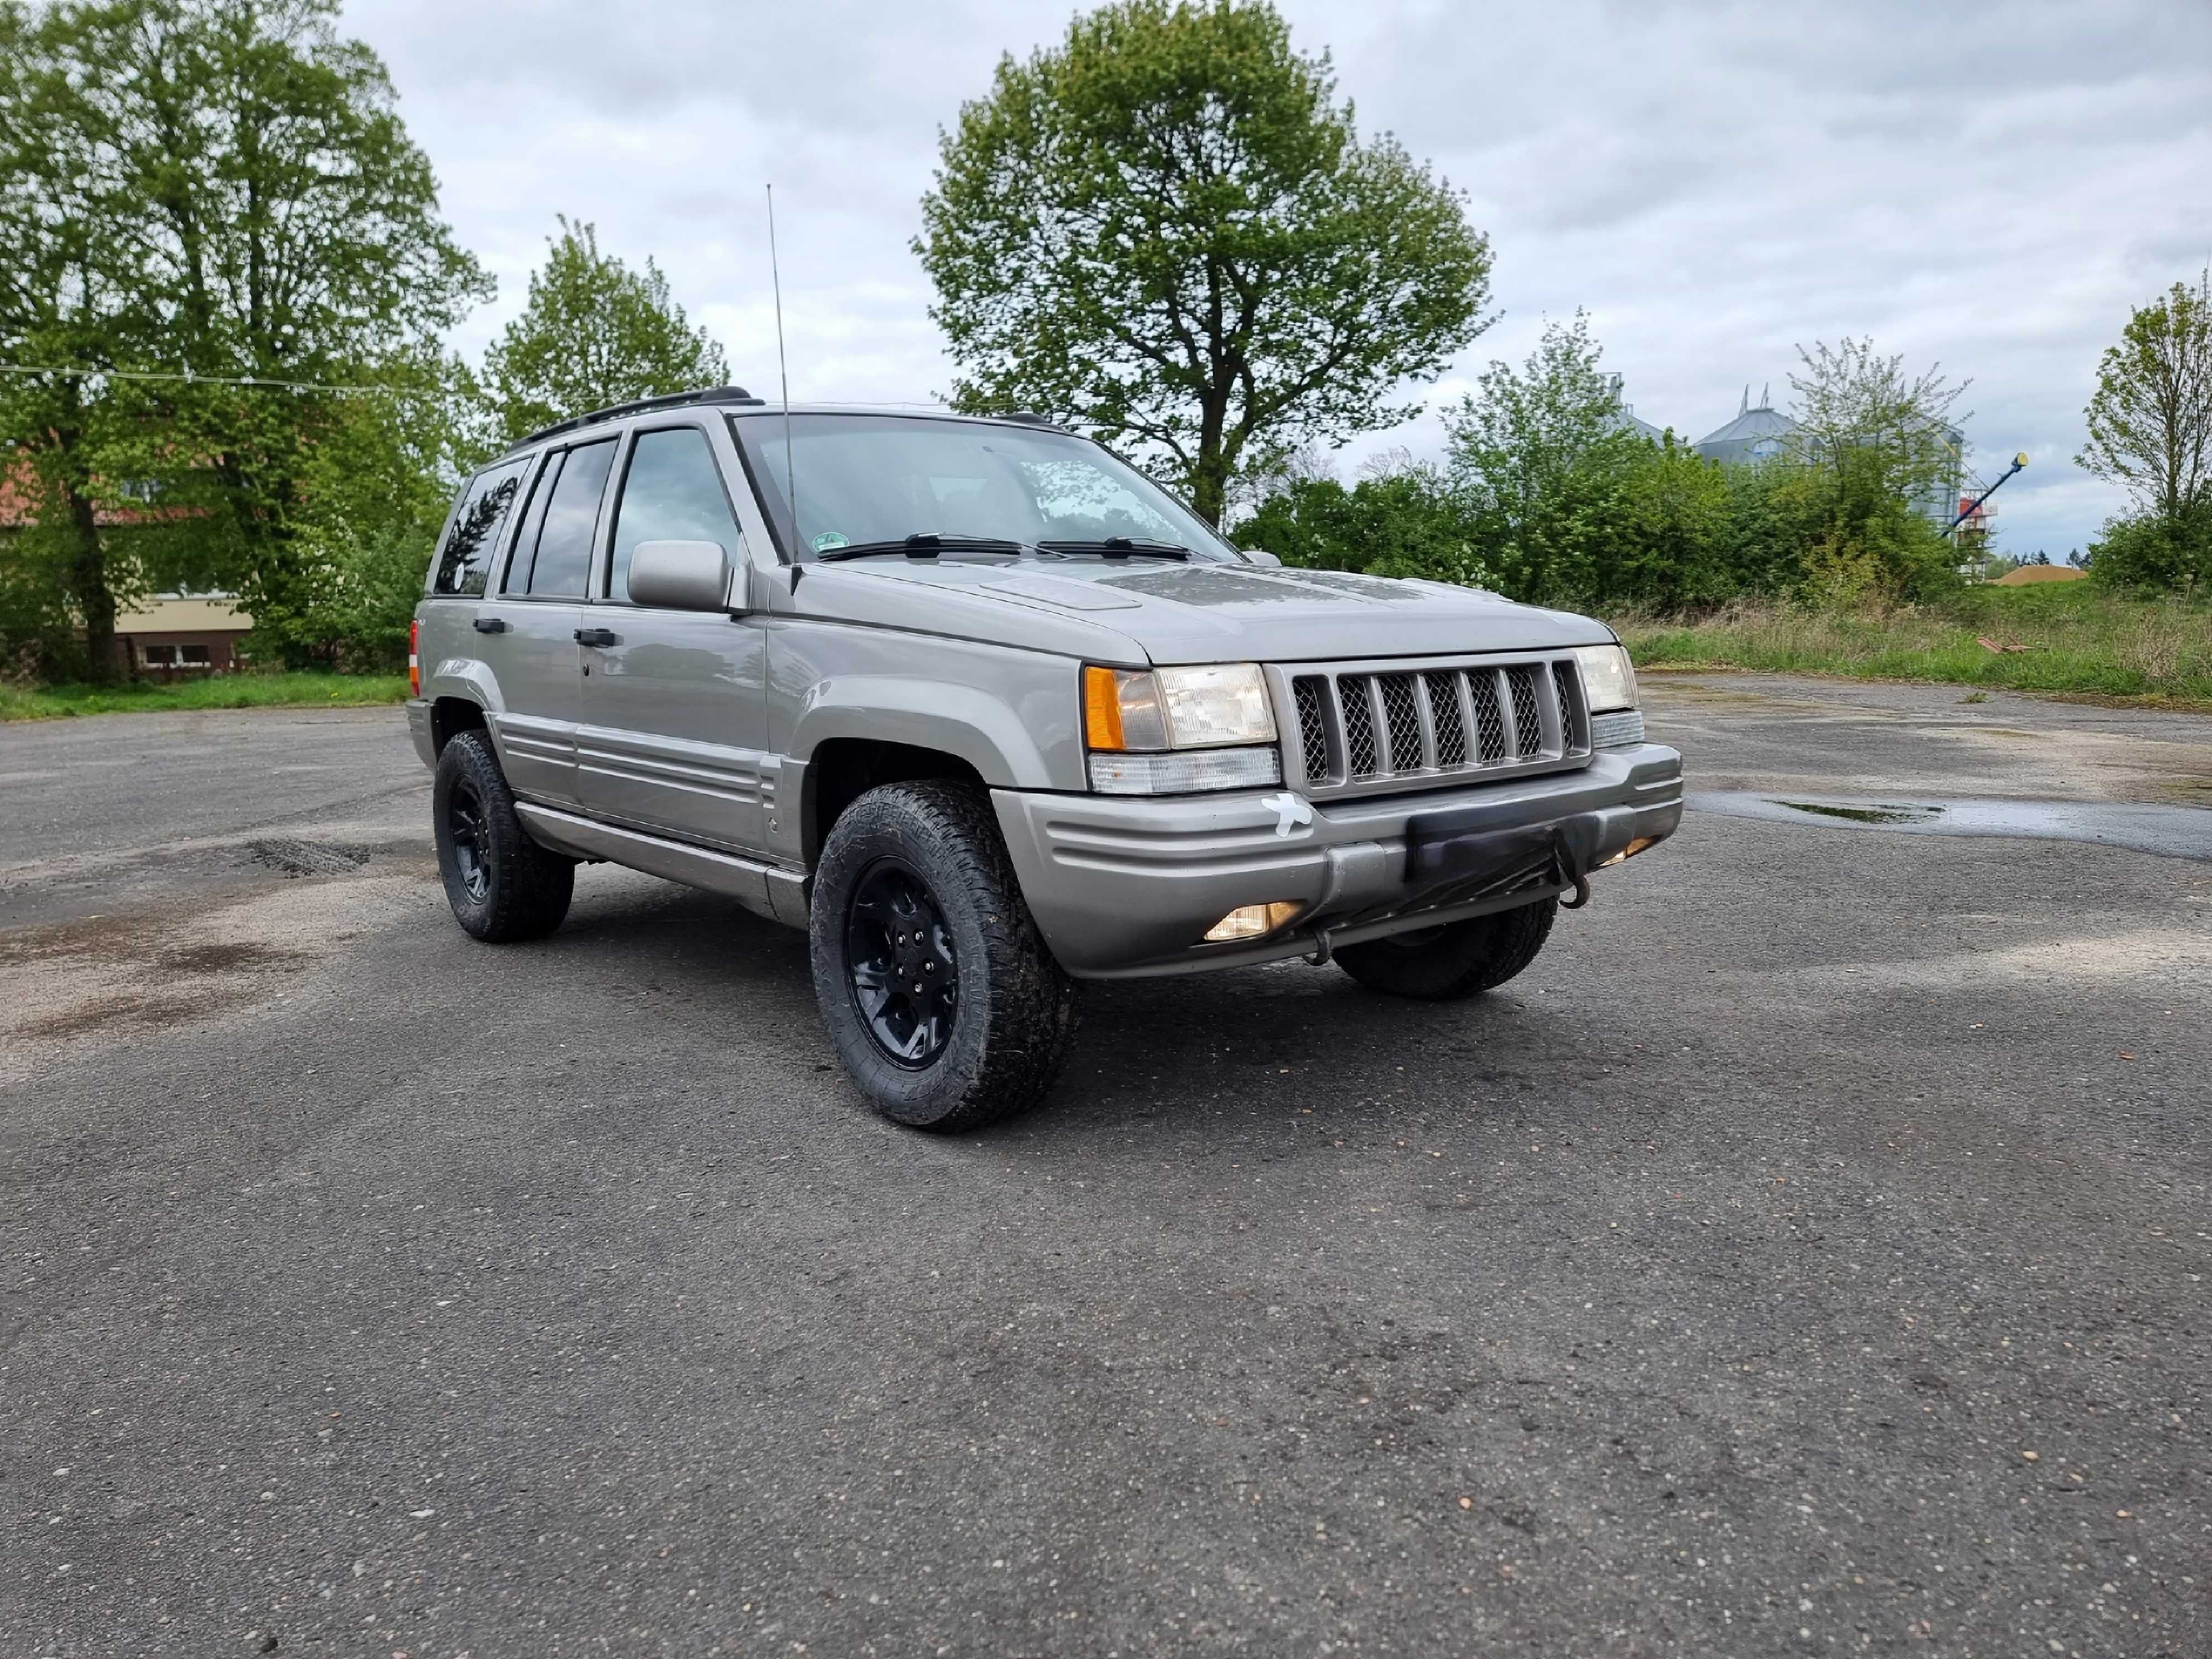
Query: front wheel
1459	959
938	991
502	886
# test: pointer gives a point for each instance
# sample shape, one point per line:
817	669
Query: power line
185	378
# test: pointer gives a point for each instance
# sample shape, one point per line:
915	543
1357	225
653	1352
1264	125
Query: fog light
1630	851
1250	921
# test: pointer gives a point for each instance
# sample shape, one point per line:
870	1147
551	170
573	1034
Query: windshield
875	478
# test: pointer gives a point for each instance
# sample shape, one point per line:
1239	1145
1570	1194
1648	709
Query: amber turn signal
1102	710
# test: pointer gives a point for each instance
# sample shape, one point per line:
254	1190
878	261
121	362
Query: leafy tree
595	333
378	479
2150	420
239	201
1164	230
1676	544
1541	457
2150	431
1406	523
1873	444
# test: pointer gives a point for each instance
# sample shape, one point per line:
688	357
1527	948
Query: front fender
1024	738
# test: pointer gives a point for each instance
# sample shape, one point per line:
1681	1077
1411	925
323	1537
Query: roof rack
716	394
1031	417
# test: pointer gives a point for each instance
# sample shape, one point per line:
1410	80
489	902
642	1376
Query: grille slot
1567	684
1401	720
1380	726
1528	725
1359	761
1311	696
1444	715
1489	723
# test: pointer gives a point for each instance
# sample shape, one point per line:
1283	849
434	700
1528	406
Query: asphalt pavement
1807	1256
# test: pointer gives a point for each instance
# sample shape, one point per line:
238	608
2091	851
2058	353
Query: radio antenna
783	370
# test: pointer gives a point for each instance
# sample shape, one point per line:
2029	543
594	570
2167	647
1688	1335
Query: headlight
1132	720
1608	678
1207	708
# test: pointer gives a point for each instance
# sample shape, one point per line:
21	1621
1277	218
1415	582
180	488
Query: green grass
2083	642
218	691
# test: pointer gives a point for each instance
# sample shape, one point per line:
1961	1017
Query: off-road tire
510	888
1016	1013
1460	959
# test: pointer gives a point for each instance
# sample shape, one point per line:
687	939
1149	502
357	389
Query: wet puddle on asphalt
2184	832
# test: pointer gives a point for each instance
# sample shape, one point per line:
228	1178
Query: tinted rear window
465	559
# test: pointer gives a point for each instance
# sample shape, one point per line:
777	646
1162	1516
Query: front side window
672	492
557	563
866	478
464	559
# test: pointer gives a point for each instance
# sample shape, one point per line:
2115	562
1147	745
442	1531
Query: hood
1185	613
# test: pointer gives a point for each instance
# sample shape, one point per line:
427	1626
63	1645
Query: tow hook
1582	894
1323	951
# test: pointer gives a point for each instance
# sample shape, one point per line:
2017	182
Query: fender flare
961	721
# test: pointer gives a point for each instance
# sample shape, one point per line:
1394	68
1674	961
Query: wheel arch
842	769
450	716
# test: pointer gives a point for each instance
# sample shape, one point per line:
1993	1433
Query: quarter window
465	559
672	492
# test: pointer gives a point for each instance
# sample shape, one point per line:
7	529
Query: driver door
674	701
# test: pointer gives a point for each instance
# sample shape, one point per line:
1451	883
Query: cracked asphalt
1807	1256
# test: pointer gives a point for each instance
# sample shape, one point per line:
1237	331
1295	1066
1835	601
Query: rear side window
465	560
555	556
672	492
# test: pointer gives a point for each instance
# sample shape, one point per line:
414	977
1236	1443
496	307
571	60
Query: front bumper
1124	888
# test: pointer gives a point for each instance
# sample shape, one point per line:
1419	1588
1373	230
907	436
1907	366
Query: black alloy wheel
901	968
465	828
503	884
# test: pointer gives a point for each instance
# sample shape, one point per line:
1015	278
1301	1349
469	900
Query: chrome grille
1363	728
1311	696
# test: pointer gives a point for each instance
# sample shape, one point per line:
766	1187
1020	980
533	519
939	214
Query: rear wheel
938	991
1459	959
502	886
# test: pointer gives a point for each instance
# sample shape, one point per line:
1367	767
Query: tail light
414	656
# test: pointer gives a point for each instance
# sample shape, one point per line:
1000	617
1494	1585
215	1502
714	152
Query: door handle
595	636
490	625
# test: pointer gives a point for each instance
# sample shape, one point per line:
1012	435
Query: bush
2148	553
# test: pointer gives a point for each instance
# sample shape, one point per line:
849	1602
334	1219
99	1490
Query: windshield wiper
1121	547
927	544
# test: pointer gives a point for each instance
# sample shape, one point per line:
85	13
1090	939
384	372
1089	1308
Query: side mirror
1254	556
680	575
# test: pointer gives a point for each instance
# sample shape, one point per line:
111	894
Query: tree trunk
88	582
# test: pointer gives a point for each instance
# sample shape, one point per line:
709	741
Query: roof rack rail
1031	417
715	394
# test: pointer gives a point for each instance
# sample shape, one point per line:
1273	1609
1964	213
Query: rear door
532	641
675	718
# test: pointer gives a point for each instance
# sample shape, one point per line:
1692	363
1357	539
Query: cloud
1988	185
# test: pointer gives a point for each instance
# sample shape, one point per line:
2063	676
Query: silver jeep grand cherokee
987	713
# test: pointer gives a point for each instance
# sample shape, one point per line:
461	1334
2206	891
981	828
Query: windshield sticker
829	539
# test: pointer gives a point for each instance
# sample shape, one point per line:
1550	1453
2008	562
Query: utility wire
186	379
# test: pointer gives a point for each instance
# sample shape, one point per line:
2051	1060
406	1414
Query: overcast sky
1990	186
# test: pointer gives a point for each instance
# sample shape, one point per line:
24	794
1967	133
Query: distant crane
1975	505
